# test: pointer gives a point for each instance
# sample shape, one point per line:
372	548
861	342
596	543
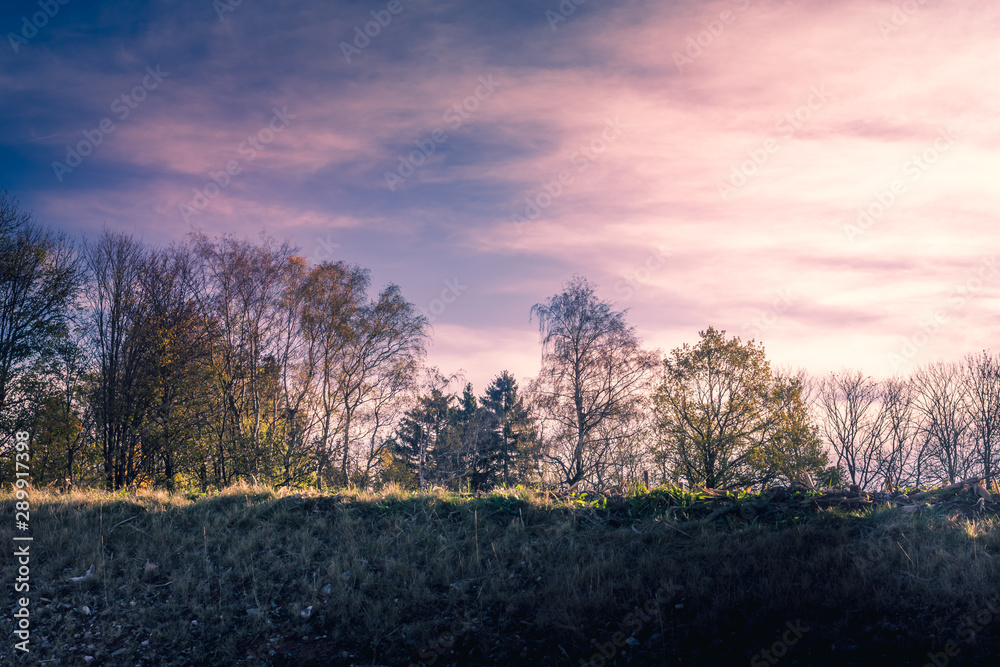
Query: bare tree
982	372
117	321
945	419
855	425
626	444
594	372
901	453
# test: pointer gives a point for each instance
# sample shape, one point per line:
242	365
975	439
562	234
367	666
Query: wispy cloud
749	86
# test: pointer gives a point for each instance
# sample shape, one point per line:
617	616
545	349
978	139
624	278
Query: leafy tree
39	279
726	421
378	362
593	372
63	451
797	448
178	370
240	288
394	467
332	296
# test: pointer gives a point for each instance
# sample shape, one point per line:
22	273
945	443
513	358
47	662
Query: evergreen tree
513	444
424	431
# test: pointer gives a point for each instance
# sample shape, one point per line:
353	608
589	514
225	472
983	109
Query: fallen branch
968	483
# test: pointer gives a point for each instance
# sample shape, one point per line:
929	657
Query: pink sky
829	109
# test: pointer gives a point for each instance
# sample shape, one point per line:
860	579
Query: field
260	577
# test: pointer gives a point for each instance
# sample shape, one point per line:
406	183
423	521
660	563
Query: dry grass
255	576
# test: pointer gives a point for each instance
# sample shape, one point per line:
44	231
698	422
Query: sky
821	177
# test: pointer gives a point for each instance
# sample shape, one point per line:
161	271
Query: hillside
253	576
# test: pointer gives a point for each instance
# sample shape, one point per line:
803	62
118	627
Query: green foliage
726	421
467	442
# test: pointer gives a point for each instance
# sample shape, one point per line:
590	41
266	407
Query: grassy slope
512	578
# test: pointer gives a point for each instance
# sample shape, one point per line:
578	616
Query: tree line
221	359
